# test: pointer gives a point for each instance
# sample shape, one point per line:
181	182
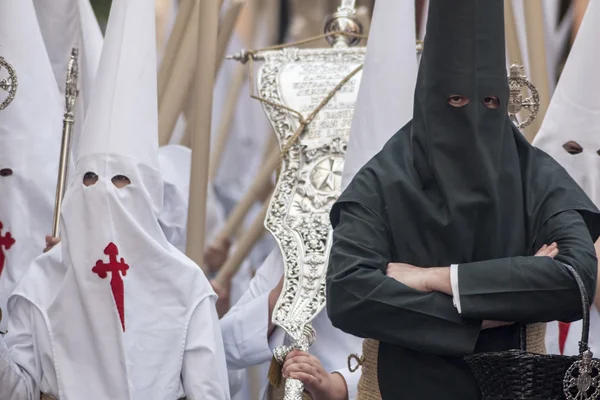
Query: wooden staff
223	39
264	195
226	28
231	103
538	65
208	11
174	95
171	54
271	13
512	38
258	187
243	247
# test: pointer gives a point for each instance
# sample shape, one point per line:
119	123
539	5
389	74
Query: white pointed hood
30	131
66	24
570	133
386	94
122	295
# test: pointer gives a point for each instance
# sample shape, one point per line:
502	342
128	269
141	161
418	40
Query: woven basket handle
585	331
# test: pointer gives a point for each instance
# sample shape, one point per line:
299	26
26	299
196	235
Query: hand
216	254
51	242
318	382
548	251
223	301
409	275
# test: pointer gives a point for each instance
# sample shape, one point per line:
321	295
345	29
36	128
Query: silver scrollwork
310	178
9	83
517	81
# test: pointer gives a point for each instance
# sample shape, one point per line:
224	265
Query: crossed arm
364	301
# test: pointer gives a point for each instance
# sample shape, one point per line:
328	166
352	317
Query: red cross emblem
116	282
6	241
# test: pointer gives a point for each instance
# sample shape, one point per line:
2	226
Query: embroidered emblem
116	282
6	242
8	84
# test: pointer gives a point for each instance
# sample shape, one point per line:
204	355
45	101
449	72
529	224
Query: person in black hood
435	238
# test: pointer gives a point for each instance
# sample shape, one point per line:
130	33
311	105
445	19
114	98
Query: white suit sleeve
18	361
204	371
245	326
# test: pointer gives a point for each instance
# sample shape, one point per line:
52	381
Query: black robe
422	336
457	185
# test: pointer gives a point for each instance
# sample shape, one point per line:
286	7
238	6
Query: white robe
245	326
27	364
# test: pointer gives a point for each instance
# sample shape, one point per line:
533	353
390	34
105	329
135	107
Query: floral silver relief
310	177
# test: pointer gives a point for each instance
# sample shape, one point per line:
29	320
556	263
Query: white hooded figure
114	311
175	166
248	333
30	132
67	24
570	133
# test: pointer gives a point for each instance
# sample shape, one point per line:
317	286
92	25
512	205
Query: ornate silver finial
344	20
517	81
9	84
71	91
243	56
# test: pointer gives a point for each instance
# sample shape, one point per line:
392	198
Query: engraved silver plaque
310	177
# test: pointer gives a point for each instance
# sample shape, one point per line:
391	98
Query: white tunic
28	367
245	331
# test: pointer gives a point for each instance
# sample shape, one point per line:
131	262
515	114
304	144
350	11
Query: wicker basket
523	375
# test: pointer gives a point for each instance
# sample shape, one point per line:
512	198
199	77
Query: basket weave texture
368	385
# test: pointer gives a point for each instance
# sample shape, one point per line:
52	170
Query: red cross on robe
6	243
116	282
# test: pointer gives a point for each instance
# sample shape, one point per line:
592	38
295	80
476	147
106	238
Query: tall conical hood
571	130
385	97
121	282
123	110
66	24
464	42
461	105
30	130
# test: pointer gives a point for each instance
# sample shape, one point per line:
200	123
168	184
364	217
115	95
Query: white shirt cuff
454	284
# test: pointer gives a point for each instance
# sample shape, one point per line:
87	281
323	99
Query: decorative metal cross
8	84
517	82
116	282
6	241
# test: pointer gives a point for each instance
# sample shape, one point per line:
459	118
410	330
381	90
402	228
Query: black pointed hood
461	184
463	152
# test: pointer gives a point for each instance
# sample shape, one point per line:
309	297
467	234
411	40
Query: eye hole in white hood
6	172
90	178
572	147
120	181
